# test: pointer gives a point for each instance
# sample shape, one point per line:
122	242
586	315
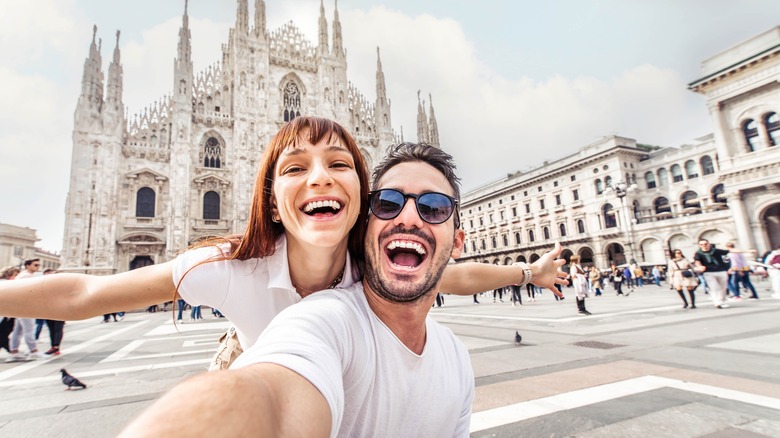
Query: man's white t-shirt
374	385
248	292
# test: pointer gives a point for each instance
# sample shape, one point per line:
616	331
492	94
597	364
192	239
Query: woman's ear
275	217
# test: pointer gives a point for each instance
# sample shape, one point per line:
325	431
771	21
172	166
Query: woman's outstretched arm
472	277
78	296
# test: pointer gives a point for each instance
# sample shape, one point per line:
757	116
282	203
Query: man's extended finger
555	291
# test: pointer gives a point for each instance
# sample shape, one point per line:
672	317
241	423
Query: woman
617	279
305	234
595	280
580	283
682	275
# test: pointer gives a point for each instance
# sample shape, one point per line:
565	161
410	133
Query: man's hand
546	272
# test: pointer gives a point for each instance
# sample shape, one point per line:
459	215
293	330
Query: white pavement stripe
571	400
156	355
567	319
124	351
34	364
112	371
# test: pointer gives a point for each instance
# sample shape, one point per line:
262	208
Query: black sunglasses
433	207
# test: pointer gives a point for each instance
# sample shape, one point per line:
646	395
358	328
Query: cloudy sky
514	82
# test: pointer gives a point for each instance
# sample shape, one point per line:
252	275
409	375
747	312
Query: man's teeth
321	204
403	244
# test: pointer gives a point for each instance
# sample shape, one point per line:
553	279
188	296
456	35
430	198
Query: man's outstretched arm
259	400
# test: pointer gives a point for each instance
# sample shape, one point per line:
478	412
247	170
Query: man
656	276
362	361
25	327
739	272
712	263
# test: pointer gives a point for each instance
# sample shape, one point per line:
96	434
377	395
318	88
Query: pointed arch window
650	178
144	202
212	153
690	169
292	101
610	219
211	206
750	130
772	126
707	166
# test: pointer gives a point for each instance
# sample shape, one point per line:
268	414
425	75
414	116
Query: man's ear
457	243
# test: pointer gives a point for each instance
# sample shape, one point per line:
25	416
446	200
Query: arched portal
566	254
586	254
770	217
140	262
615	254
534	257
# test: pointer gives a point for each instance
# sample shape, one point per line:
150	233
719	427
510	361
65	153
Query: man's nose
409	215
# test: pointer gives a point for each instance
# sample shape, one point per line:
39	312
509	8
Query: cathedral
145	186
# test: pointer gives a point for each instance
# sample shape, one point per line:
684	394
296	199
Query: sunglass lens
386	204
434	208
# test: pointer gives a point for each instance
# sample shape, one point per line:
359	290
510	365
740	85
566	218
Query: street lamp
621	189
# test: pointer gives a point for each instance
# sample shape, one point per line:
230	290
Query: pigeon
71	381
518	338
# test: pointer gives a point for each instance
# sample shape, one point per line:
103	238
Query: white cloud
493	124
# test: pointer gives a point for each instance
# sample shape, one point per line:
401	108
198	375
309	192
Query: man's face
34	266
405	256
704	245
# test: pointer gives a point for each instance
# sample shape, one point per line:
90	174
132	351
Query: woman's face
678	254
316	192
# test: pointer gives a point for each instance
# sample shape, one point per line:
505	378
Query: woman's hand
546	272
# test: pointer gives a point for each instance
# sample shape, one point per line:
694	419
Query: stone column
741	221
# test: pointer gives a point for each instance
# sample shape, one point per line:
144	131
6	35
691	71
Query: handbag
687	273
228	351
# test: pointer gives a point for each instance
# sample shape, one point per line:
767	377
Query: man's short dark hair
30	262
424	153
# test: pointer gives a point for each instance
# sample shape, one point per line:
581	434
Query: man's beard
402	289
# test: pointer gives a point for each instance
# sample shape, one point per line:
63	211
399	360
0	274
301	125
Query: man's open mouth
406	253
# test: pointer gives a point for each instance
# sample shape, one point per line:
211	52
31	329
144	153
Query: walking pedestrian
740	272
682	276
595	280
500	292
580	282
773	261
617	279
25	327
517	297
711	262
6	322
656	276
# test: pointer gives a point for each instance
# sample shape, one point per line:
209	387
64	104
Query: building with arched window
724	187
147	185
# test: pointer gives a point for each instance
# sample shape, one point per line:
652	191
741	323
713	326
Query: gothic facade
144	187
617	201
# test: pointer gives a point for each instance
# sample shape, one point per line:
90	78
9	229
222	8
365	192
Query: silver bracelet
527	274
